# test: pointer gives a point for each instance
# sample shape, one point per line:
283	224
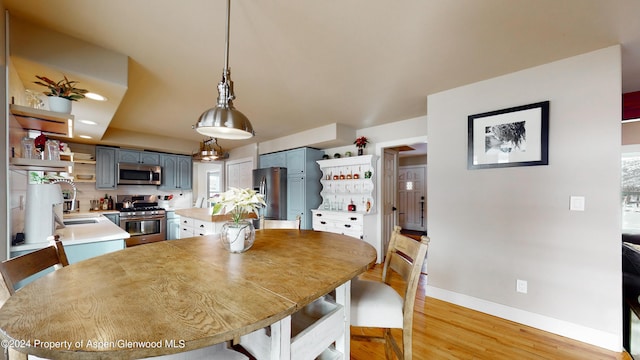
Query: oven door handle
142	218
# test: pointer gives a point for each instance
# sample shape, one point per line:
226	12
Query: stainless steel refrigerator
272	183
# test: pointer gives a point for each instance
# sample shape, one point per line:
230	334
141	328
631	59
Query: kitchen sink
79	221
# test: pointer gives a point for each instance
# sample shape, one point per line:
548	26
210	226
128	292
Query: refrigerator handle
263	188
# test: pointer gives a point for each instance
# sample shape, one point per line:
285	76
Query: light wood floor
445	331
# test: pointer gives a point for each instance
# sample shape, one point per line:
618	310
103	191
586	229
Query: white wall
399	130
4	160
490	227
250	150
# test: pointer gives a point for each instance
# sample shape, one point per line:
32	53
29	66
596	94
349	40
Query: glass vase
237	237
360	151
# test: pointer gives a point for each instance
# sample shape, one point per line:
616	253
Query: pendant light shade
224	121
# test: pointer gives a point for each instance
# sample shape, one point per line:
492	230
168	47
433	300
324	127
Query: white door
239	173
412	198
389	195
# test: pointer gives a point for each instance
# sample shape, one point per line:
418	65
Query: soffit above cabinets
35	50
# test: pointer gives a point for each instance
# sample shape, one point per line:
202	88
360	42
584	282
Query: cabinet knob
347	225
318	214
323	222
353	219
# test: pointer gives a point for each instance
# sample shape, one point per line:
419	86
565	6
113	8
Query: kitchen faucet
73	186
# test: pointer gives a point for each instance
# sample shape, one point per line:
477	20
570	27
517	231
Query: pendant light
224	121
210	150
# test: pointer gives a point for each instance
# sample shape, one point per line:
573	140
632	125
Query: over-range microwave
139	174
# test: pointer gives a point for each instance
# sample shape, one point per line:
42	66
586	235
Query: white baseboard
581	333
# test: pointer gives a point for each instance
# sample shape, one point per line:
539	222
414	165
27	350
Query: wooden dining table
179	295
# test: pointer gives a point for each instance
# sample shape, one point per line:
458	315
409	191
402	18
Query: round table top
178	295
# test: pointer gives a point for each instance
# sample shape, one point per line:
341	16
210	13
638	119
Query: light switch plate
577	203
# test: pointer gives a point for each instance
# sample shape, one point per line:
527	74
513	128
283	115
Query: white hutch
348	197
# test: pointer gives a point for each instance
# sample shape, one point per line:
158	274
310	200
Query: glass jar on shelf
52	150
28	148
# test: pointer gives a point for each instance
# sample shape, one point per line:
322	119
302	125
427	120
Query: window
631	192
409	185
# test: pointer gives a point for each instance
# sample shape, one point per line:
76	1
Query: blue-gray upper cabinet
105	168
140	157
298	161
278	159
176	172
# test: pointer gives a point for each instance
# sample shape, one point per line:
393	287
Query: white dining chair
279	224
375	304
21	267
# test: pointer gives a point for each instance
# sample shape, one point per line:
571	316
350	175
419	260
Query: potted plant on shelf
238	234
361	143
61	93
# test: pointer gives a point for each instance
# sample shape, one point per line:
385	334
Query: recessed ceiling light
94	96
86	137
88	122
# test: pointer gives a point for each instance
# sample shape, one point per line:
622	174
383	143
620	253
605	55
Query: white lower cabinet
354	224
193	227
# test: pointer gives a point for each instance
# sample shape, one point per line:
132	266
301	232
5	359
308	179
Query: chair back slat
403	255
19	268
280	224
401	265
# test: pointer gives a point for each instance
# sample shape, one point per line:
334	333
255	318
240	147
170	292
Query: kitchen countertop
102	230
204	214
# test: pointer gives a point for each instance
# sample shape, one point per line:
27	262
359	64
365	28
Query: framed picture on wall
517	136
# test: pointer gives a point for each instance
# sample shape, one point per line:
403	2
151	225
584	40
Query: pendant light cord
226	50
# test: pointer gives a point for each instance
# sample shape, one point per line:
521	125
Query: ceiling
298	65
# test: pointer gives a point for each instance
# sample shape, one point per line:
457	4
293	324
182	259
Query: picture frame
516	136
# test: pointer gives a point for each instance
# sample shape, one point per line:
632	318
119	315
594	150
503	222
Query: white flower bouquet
237	202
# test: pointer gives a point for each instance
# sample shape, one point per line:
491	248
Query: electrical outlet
521	286
576	203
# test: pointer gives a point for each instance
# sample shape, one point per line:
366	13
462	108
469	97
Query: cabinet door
169	170
296	194
149	158
184	172
185	232
239	173
105	168
278	159
296	161
173	229
115	218
128	156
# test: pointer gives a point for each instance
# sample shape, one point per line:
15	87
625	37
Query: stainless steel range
142	218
